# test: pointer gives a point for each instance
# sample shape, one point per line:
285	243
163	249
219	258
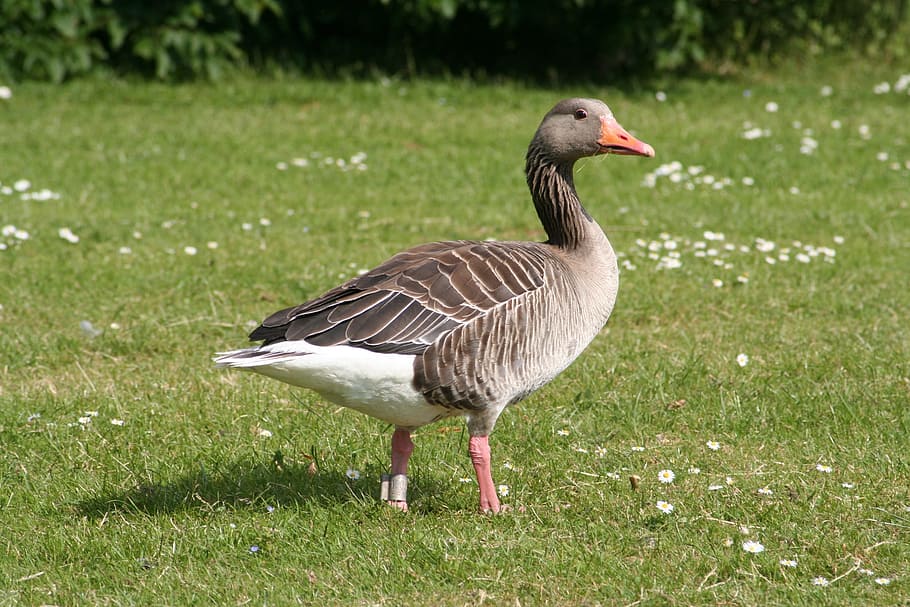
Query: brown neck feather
553	191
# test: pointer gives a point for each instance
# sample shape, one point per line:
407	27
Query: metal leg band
398	488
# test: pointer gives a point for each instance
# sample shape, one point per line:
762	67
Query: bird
463	327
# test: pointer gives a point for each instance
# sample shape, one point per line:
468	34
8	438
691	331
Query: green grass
165	508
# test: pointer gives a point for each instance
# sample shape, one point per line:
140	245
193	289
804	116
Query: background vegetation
759	348
144	226
540	39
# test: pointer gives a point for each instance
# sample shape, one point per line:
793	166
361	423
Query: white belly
380	385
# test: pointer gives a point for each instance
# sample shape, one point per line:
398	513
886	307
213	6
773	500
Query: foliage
57	39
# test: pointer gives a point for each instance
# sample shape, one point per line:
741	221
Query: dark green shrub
50	40
56	39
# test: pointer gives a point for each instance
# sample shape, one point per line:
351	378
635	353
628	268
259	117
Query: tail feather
253	357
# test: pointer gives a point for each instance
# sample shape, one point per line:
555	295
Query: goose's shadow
243	483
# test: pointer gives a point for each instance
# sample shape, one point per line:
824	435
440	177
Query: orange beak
616	140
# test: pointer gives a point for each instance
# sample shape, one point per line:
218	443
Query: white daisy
753	546
666	476
882	581
665	507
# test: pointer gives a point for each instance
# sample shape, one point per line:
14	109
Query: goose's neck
567	223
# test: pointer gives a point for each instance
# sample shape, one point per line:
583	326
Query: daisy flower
503	490
353	474
788	563
753	546
666	476
824	468
882	581
742	360
665	507
820	581
713	445
765	491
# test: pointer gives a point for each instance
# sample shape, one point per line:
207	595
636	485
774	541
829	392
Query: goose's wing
414	299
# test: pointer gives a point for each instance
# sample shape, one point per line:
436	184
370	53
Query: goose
461	328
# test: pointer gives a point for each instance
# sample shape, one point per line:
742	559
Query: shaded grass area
188	233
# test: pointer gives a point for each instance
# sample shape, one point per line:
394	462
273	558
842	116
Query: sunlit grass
774	394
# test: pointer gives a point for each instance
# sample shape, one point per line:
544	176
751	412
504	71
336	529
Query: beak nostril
623	137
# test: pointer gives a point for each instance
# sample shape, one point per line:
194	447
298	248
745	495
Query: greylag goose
461	327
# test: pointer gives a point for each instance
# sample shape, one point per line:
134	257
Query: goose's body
462	327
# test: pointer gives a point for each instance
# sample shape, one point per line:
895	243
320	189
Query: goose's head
576	128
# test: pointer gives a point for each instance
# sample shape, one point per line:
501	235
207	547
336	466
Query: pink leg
402	447
479	448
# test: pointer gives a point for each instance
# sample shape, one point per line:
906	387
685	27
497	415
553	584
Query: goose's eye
580	114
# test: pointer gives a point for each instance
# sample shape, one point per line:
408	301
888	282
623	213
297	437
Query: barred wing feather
415	298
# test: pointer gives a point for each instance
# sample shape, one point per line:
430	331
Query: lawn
759	350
